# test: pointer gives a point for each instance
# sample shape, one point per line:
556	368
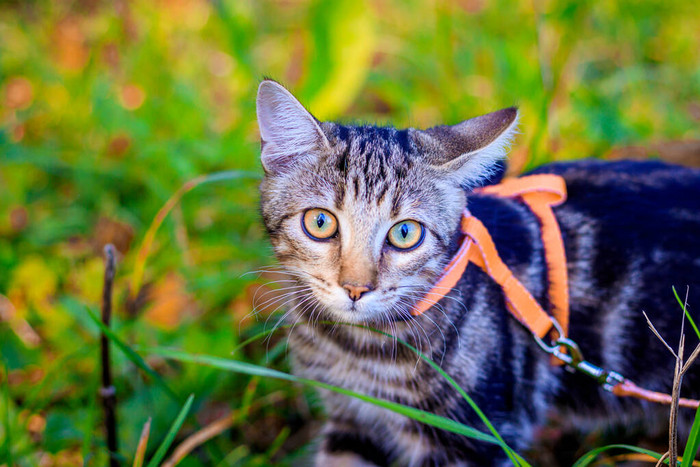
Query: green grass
105	114
693	444
172	432
6	452
686	313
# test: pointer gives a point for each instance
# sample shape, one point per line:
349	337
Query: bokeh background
108	107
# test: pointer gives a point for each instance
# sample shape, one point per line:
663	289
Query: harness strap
519	301
540	193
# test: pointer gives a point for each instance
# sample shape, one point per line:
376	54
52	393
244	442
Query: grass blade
7	445
255	370
143	443
685	310
147	242
170	437
89	426
691	447
590	456
277	444
131	354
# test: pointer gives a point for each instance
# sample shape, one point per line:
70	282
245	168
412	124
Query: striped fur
630	231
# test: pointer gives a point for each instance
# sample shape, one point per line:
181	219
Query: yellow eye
406	235
319	224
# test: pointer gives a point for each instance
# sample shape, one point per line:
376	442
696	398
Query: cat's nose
355	291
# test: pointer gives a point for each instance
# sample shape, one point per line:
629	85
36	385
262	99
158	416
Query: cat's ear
287	130
470	151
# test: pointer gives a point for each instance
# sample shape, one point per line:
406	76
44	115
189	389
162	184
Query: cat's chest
380	376
379	369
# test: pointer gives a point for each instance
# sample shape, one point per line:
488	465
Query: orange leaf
171	302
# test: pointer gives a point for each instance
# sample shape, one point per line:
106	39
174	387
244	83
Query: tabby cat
365	218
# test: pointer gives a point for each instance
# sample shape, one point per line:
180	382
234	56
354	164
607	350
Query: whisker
292	297
441	309
268	292
291	329
421	328
303	301
271	303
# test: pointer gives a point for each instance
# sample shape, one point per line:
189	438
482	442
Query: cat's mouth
320	299
376	308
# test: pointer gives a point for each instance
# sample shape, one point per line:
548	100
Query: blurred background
108	107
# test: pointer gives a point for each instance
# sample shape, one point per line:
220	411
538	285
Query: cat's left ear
288	132
470	151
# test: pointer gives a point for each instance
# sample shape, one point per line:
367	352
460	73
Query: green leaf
170	437
345	42
590	456
691	447
255	370
134	357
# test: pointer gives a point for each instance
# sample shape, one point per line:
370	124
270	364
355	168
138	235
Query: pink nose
355	291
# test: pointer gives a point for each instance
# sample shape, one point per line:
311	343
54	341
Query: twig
676	393
656	333
675	396
691	359
679	369
107	391
663	458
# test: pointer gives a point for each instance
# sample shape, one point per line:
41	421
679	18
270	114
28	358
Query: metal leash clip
573	358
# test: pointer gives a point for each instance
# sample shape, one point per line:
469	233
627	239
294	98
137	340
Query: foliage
108	108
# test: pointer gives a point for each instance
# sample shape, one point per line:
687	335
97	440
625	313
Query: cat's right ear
287	130
471	151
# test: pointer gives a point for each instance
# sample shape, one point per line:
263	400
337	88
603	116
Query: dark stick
107	391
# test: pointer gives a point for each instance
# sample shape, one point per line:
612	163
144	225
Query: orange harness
540	193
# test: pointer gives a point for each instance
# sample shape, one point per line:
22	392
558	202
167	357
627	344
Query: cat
365	218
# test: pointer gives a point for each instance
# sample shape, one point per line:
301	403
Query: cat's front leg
346	446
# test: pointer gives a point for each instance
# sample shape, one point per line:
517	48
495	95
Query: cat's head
364	216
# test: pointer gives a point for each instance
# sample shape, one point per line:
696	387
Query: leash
540	193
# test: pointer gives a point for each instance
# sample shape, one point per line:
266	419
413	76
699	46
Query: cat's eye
406	235
319	224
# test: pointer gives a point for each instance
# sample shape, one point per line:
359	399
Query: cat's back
630	230
651	183
633	210
634	205
656	187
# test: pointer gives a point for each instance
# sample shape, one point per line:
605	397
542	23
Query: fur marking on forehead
371	160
